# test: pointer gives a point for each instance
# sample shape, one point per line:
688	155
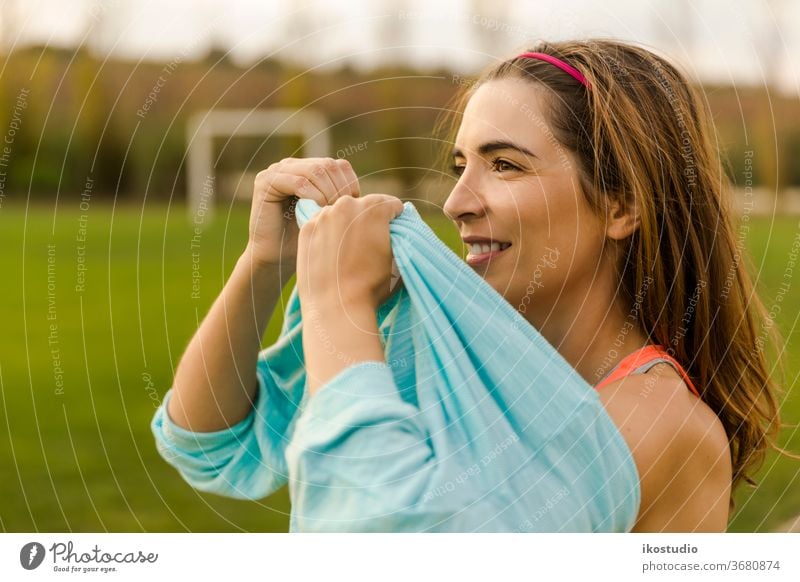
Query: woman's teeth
479	248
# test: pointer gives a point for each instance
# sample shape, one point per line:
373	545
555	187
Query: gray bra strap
641	369
645	367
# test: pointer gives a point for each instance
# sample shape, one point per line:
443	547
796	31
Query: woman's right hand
273	227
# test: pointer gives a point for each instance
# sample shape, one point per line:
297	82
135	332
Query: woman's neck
590	329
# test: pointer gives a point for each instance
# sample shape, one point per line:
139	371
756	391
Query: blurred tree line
123	123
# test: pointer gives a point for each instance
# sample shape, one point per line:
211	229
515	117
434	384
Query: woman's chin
495	282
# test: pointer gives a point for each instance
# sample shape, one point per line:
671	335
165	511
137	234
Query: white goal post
204	126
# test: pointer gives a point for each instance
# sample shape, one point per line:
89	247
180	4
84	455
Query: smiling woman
603	151
596	219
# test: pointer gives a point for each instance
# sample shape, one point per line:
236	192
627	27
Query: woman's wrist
252	260
336	335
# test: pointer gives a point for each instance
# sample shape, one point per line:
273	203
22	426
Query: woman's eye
457	170
504	166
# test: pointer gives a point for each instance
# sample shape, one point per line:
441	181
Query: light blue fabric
474	423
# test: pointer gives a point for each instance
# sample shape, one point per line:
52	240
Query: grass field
94	329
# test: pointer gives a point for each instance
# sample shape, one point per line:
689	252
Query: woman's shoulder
680	448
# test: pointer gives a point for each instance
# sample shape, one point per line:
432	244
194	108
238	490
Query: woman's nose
464	202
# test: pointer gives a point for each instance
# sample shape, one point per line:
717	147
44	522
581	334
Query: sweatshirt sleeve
359	459
246	460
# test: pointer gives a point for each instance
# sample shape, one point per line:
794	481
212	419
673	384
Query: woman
590	196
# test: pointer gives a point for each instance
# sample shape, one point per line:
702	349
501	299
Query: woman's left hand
344	256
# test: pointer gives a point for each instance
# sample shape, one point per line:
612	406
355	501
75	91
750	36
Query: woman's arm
337	335
215	383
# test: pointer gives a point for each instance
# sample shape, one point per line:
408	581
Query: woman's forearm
336	336
215	384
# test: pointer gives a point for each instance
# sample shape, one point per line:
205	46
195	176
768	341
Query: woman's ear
621	221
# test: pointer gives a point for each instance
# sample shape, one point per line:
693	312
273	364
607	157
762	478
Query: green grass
82	458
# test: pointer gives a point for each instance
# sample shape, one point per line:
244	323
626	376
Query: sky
723	41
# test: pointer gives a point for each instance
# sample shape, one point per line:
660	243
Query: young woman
590	196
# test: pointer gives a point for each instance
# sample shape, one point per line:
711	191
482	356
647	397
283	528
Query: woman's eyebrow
495	145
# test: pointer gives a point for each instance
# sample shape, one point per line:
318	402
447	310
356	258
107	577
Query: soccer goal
311	126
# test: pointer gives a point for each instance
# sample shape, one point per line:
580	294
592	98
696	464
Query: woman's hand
344	268
344	253
273	228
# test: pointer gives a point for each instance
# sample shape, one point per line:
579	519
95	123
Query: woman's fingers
332	247
390	206
275	189
372	207
338	180
319	172
351	185
282	185
333	178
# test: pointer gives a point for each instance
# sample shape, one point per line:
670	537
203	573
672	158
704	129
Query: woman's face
518	187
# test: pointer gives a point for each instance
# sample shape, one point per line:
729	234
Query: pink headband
567	68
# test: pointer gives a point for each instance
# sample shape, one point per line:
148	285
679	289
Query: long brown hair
642	135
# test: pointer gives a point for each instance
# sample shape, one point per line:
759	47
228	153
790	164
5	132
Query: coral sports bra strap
651	354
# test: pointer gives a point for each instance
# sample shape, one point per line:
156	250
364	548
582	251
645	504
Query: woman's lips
480	258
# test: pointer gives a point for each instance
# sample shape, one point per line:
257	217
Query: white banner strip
401	557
